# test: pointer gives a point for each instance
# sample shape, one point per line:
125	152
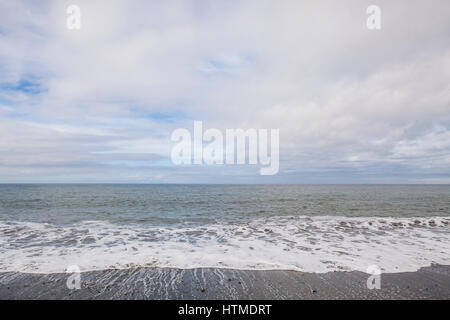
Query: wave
309	244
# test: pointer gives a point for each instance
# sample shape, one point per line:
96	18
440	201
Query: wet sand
208	283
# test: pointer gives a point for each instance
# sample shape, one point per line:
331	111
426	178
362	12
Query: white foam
318	244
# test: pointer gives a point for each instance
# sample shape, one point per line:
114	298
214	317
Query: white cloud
343	96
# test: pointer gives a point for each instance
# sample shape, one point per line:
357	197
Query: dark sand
164	283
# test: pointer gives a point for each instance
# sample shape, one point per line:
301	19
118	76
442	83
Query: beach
224	242
213	283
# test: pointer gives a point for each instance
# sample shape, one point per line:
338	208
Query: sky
99	104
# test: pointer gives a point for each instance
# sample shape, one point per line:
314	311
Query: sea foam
310	244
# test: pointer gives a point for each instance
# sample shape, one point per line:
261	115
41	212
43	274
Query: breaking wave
309	244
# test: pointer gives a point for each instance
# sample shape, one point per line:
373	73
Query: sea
49	228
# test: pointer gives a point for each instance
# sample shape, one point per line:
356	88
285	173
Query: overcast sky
99	104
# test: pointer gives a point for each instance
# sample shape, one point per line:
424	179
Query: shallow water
314	228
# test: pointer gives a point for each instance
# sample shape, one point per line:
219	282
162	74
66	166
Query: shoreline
431	282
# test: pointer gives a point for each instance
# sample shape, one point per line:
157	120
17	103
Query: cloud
351	104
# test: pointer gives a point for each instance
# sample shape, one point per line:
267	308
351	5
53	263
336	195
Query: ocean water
312	228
